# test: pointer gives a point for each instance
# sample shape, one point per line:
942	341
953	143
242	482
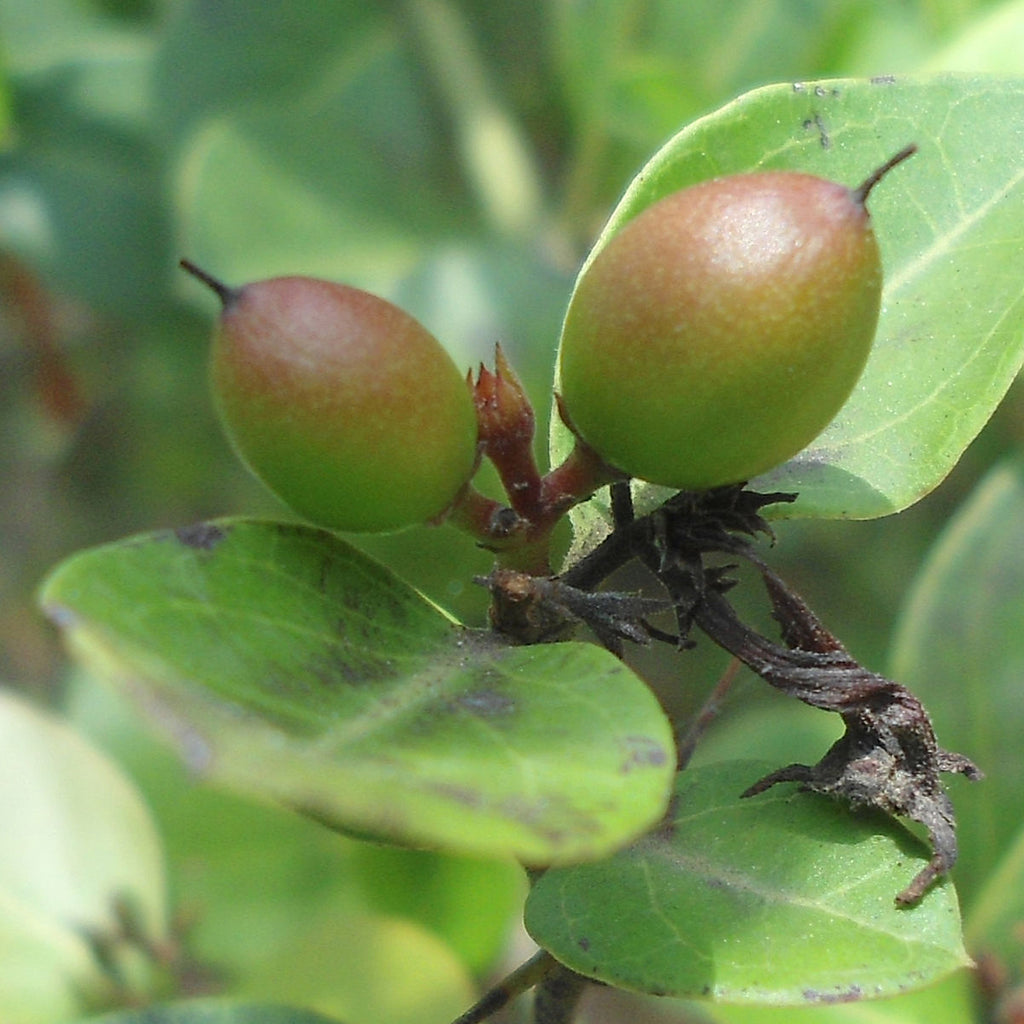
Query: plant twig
557	996
523	978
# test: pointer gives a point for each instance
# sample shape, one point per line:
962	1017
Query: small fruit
342	404
720	331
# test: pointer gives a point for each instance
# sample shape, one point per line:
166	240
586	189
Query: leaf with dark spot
284	662
203	536
738	900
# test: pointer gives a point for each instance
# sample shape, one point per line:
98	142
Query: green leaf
992	43
83	208
995	915
77	839
784	899
288	936
236	55
313	178
951	335
369	970
952	1001
5	108
81	192
282	661
213	1011
323	212
959	646
41	35
466	901
81	188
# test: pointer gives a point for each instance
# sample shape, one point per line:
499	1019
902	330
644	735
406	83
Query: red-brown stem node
520	533
503	408
506	426
492	524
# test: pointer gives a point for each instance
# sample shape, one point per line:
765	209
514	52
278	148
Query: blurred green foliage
456	156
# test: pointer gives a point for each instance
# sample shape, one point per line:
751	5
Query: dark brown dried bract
888	758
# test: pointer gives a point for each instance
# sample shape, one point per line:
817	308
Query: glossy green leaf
213	1011
951	334
77	839
952	1001
785	898
282	661
960	647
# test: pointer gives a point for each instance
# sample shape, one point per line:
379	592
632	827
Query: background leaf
208	1011
991	44
283	661
951	334
323	184
77	838
960	647
370	970
785	899
333	898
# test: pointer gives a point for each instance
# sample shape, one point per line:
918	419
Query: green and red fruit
721	330
345	406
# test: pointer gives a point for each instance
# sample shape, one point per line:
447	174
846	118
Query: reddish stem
520	534
506	427
576	479
492	523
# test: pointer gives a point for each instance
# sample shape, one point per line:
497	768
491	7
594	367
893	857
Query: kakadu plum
341	403
721	330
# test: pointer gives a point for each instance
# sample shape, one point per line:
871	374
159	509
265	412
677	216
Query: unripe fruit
720	331
342	404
